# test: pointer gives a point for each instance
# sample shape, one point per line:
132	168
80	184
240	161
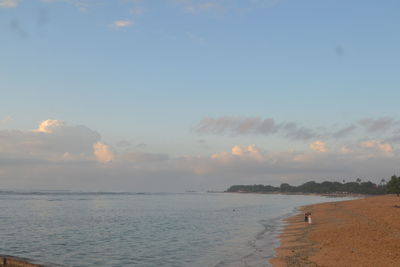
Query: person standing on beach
306	217
309	218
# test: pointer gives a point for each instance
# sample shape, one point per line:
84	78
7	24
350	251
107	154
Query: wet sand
11	261
362	232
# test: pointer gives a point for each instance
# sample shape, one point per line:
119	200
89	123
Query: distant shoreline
326	187
361	232
303	194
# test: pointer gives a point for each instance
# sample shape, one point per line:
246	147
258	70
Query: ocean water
128	229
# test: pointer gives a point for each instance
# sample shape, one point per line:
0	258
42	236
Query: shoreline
13	261
360	232
305	194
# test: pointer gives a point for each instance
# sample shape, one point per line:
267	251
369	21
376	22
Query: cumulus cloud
368	149
122	23
253	164
240	152
378	145
103	152
49	126
58	154
249	151
318	146
8	3
50	140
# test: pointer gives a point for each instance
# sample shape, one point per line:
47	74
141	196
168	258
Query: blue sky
147	75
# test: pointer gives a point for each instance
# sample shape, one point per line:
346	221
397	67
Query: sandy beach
362	232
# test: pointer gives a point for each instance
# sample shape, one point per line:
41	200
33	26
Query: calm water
194	229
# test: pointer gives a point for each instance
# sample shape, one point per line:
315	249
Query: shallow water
108	229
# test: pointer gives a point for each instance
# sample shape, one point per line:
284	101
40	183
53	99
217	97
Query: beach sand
362	232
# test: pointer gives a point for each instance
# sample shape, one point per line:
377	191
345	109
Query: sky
175	95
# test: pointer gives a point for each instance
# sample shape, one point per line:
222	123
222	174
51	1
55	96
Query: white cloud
249	151
70	154
122	23
318	146
237	152
378	145
51	140
8	3
368	149
48	126
103	152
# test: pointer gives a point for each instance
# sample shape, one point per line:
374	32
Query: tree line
357	187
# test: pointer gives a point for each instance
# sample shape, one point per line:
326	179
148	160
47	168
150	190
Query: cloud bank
253	125
240	126
56	155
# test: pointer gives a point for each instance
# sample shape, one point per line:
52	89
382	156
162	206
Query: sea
146	229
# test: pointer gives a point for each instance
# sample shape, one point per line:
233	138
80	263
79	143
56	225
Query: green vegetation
357	187
393	186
